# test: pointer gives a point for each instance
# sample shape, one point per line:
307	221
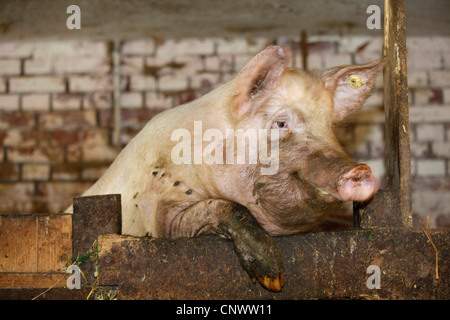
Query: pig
236	201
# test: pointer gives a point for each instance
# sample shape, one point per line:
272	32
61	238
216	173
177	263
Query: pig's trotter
255	248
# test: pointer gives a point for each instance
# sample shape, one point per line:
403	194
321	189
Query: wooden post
397	132
92	217
392	207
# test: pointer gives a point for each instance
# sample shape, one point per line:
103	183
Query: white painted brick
9	67
419	149
138	47
212	63
417	78
441	149
430	167
173	83
366	57
427	44
414	167
377	148
131	100
446	95
232	46
240	61
240	46
38	66
90	83
189	46
379	82
422	96
142	83
430	203
190	64
351	44
38	172
75	64
226	77
222	63
131	65
158	61
97	100
446	58
9	102
440	78
430	132
315	61
66	101
37	84
36	102
429	114
204	79
158	101
338	59
16	49
70	48
296	61
424	60
375	45
375	100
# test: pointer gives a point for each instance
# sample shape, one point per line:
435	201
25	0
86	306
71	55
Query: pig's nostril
358	184
367	182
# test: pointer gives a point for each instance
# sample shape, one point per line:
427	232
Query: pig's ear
262	74
351	86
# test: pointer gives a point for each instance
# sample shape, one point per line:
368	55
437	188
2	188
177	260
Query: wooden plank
32	244
93	216
53	294
397	129
18	243
33	280
317	266
54	242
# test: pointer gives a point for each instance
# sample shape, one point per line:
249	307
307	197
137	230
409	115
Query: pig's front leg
255	248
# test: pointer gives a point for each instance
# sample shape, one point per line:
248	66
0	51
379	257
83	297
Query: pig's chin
315	194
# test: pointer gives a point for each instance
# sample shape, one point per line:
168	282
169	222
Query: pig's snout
358	184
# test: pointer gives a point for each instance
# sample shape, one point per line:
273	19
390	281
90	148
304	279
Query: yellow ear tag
355	81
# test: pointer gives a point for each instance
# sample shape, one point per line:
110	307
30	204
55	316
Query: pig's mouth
318	192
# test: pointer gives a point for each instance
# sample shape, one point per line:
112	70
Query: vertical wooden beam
397	130
304	50
391	207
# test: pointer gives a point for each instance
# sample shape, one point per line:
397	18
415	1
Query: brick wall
57	119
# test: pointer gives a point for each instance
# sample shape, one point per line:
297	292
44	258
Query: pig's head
315	173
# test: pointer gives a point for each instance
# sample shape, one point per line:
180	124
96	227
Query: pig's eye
280	124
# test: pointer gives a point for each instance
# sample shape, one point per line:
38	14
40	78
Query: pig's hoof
262	260
270	284
257	251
